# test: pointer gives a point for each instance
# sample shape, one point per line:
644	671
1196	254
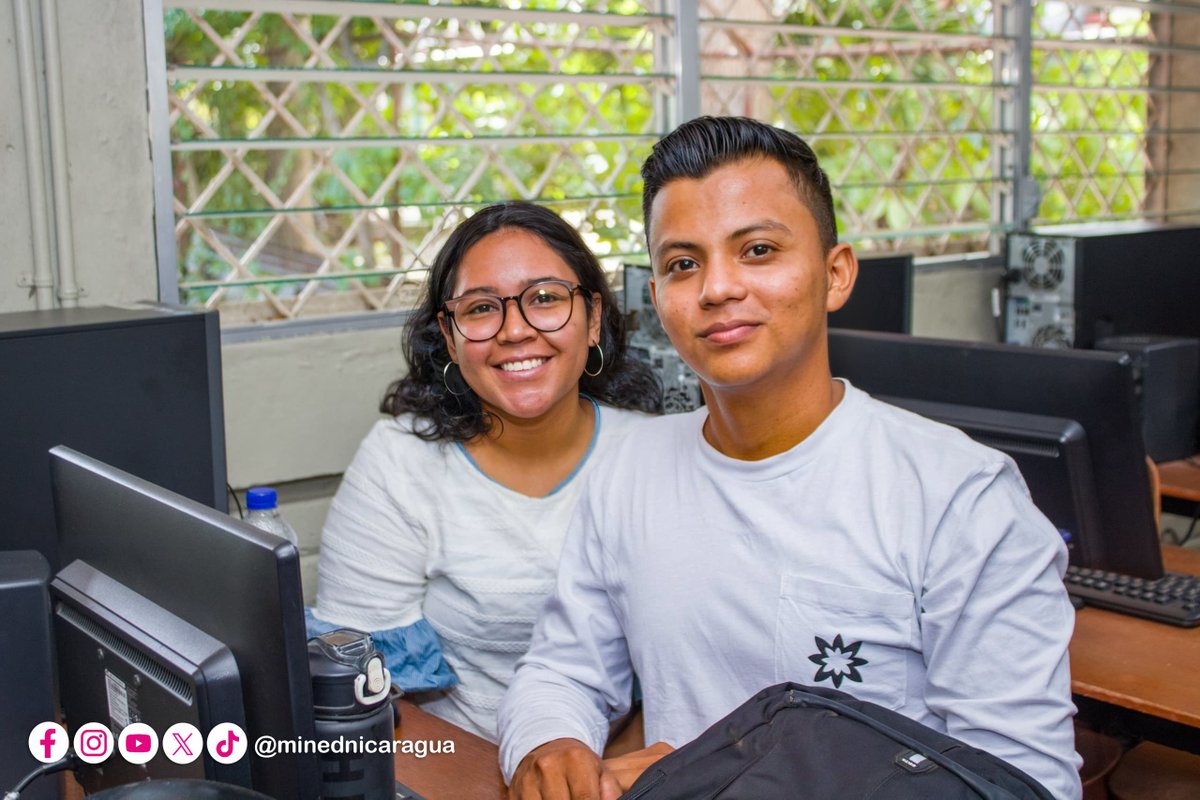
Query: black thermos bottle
351	703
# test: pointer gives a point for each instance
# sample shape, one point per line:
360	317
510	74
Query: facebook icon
48	742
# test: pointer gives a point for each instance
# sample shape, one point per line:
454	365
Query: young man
793	528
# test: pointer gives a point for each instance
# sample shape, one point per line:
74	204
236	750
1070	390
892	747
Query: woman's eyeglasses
546	306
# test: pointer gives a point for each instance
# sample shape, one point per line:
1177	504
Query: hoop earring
460	380
600	368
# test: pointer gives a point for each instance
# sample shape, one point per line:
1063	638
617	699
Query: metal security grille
906	102
322	150
1111	80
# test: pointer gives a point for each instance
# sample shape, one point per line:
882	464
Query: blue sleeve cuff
412	653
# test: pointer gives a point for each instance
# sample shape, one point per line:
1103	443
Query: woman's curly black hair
624	383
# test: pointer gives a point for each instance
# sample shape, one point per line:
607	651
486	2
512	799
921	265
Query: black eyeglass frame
572	290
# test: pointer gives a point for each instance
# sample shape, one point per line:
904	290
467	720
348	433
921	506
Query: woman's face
521	372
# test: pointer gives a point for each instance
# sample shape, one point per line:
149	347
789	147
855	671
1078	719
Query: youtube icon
138	743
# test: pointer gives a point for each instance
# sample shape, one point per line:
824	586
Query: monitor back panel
26	667
123	659
882	296
234	582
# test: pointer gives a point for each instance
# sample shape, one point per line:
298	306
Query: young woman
444	536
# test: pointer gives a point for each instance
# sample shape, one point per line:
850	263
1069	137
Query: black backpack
792	741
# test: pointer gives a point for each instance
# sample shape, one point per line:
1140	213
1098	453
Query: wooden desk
1180	479
1144	667
472	771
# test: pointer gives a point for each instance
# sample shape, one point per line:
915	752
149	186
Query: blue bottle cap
258	497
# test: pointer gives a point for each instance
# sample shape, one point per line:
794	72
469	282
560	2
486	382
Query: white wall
1184	148
295	410
16	244
103	67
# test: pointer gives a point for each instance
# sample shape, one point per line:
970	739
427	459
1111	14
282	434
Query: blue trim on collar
570	475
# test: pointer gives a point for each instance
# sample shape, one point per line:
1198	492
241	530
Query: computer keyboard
1173	598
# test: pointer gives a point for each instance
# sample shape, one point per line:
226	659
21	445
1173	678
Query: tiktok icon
48	742
226	743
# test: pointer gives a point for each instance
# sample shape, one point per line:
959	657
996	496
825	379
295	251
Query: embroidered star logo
837	661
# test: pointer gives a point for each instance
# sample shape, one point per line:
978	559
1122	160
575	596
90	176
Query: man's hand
629	767
564	769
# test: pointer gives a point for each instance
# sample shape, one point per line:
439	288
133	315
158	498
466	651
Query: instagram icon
93	743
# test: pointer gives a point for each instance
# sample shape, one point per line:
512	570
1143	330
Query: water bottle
262	511
351	701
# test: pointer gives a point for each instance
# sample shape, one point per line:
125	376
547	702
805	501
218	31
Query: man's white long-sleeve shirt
885	555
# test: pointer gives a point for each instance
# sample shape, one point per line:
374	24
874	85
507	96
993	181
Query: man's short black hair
698	147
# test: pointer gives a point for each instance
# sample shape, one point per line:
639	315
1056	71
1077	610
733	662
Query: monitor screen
882	296
1095	389
233	582
1103	303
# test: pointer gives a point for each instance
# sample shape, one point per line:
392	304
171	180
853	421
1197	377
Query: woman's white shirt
418	532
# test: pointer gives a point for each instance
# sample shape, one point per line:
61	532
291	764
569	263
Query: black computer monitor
1052	454
132	386
1095	389
882	296
236	584
123	659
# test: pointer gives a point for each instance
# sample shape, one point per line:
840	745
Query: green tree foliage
908	125
435	137
1089	146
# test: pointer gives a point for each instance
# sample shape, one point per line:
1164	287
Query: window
321	154
322	150
903	101
1112	90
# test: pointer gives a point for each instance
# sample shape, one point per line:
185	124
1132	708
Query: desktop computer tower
137	387
1069	286
1167	371
648	342
26	668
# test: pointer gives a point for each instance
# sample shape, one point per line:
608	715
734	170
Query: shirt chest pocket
845	637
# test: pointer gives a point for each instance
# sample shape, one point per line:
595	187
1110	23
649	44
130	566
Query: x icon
182	745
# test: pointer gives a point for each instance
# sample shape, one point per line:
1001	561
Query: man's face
740	280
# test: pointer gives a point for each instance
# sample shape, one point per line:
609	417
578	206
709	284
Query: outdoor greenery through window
1105	76
321	153
321	158
903	101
